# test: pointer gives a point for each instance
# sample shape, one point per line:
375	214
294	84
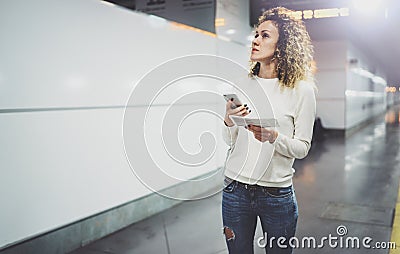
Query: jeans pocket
281	193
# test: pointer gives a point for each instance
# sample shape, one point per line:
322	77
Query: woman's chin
254	59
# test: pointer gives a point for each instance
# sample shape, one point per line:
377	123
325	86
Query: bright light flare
368	7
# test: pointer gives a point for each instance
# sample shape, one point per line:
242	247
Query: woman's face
264	42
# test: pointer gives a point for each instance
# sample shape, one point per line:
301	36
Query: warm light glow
329	13
391	89
320	13
390	117
307	14
220	22
326	13
314	68
296	14
183	26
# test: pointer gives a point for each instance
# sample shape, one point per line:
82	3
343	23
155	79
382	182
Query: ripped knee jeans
276	208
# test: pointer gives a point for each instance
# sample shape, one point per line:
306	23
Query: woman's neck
267	70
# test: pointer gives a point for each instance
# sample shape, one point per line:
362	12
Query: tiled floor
361	171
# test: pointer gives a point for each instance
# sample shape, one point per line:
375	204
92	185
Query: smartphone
235	101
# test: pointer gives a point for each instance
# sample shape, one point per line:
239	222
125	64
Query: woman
261	186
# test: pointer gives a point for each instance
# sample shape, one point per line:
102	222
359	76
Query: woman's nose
255	42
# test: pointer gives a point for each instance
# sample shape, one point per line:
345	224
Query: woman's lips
254	50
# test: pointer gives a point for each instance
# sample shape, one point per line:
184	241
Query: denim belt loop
249	186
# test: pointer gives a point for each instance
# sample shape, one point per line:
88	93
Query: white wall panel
83	53
63	165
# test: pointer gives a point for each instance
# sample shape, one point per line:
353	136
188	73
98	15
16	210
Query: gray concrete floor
359	174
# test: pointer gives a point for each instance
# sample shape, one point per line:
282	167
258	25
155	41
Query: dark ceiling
377	34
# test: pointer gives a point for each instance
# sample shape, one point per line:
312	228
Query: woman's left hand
263	134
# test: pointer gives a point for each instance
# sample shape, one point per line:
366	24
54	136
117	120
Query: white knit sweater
253	162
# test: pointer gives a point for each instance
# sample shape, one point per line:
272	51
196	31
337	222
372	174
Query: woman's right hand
232	110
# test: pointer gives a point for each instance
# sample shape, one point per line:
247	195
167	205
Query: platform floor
350	182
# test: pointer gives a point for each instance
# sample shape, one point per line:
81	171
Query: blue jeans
276	208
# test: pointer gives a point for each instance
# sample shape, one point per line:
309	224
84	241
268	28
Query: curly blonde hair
294	51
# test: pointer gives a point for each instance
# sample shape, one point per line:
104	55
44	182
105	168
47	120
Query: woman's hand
263	134
232	110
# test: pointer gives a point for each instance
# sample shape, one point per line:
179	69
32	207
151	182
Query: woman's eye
265	35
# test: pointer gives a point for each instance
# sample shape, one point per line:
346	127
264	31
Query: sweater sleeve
299	145
230	134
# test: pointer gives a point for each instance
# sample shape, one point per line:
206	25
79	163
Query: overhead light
308	14
330	13
320	13
379	80
326	13
368	7
391	89
296	14
364	73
